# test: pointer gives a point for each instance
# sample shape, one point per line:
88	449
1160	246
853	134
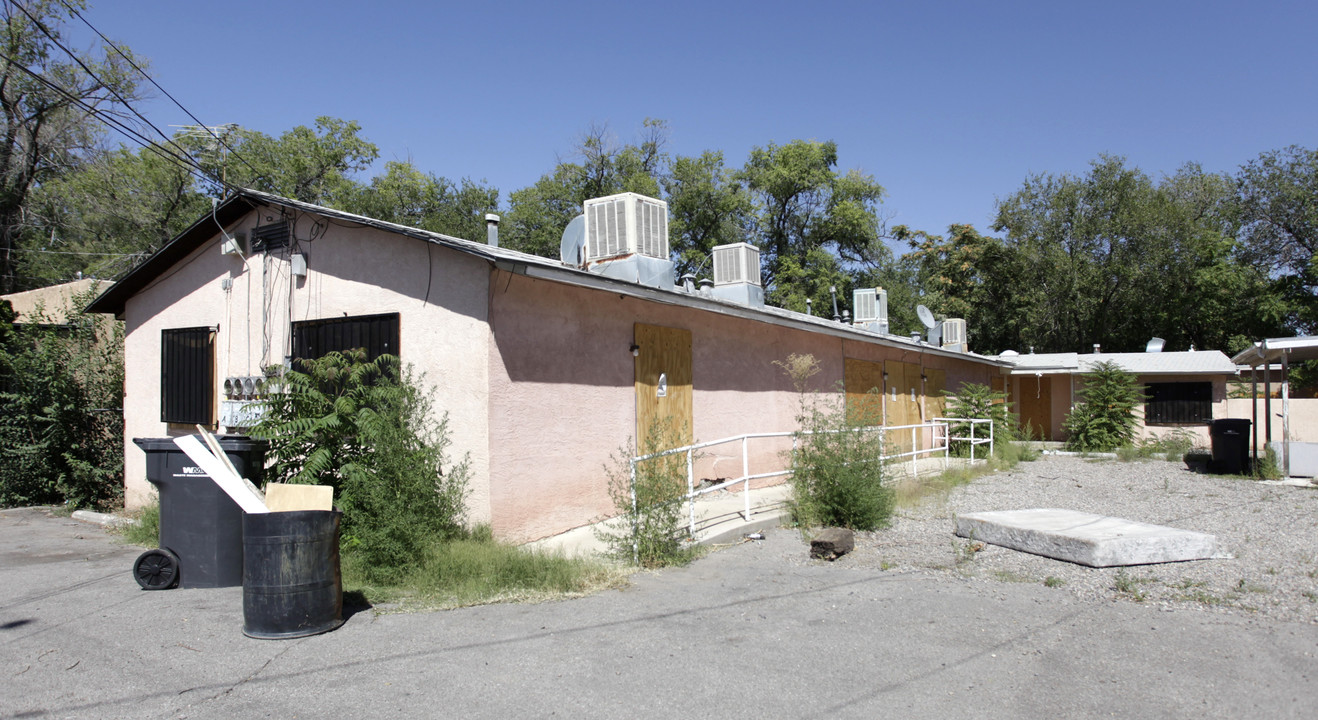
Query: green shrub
366	429
976	401
837	471
61	422
1104	419
651	527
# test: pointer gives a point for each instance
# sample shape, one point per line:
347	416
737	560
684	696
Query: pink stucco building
544	368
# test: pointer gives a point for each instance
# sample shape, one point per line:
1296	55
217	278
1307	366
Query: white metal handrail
746	477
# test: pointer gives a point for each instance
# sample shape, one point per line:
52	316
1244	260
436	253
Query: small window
187	376
1178	402
377	334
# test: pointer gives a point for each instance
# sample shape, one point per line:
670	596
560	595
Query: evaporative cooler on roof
626	224
736	263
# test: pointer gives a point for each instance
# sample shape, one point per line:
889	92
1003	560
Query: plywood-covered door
863	381
663	384
1036	406
903	401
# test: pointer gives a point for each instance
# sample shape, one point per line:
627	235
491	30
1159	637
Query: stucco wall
562	396
440	296
1303	421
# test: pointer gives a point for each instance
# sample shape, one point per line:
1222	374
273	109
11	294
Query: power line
187	163
151	80
122	100
70	252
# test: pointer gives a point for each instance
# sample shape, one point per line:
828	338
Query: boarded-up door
864	385
1036	404
663	385
935	402
903	401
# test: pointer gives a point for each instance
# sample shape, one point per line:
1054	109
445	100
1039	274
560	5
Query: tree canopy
1111	256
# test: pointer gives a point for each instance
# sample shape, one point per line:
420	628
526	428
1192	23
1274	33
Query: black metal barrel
291	582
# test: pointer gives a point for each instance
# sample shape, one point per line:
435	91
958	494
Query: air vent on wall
270	238
626	224
736	263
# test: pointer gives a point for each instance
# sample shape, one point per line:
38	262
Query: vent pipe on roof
1096	348
492	229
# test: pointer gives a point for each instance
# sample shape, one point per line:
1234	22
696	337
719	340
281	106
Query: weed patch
479	570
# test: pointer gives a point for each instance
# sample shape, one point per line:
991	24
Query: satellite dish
1155	345
574	240
926	317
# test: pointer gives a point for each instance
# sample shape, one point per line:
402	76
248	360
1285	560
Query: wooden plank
663	383
283	497
863	382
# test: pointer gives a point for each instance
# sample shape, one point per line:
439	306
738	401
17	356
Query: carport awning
1304	347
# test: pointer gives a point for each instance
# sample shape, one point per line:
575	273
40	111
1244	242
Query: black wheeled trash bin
200	525
1230	438
291	582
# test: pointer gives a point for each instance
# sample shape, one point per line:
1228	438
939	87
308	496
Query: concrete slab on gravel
1085	538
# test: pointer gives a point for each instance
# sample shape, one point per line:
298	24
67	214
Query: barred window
187	375
1178	402
377	334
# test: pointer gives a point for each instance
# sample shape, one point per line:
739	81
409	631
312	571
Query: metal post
915	456
990	422
746	473
636	530
691	491
972	442
947	444
1285	413
1267	403
1254	409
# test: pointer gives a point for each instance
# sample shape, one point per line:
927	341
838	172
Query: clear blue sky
949	105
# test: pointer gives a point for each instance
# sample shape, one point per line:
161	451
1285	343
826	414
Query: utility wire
157	85
122	100
187	163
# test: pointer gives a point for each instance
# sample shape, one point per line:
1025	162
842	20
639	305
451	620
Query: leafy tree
48	108
1114	258
1278	202
405	195
313	165
707	207
538	214
802	203
115	208
1104	419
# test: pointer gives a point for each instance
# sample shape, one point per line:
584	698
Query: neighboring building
51	305
1184	390
545	368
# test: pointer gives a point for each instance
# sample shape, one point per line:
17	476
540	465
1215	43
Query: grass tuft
480	570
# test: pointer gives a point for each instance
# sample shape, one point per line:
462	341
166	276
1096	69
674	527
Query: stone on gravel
832	543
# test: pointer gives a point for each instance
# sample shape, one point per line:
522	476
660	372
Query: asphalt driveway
748	632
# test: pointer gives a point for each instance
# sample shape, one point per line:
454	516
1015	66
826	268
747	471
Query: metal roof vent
1155	345
626	224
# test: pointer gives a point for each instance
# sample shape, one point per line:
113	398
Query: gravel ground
1271	532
